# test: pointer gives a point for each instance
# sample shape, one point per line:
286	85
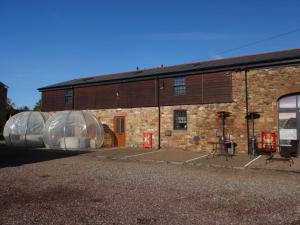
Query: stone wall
204	122
265	87
137	120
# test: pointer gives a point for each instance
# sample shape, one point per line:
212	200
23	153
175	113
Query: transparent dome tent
73	130
25	129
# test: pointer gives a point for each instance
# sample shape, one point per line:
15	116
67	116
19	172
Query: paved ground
39	187
277	163
240	161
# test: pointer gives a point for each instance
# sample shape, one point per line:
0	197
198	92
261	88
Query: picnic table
281	149
222	148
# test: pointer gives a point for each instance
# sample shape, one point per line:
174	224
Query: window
288	102
287	128
289	123
180	120
68	96
120	124
179	87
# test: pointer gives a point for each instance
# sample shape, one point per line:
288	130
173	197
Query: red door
119	127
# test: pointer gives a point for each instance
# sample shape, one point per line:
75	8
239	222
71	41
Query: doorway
119	128
289	123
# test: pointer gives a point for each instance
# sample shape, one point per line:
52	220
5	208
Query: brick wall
3	100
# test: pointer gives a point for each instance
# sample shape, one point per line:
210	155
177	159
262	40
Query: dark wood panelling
217	87
123	95
137	94
3	100
200	89
193	91
96	97
54	101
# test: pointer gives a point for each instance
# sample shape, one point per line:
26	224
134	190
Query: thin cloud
184	36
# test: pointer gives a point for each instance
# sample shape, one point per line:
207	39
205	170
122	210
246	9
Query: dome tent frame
25	129
73	130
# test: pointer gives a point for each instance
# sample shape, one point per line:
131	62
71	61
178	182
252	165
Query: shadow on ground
15	156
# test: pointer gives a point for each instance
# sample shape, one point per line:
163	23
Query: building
3	102
179	104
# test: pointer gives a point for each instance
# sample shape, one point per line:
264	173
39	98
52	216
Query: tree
37	106
10	107
23	108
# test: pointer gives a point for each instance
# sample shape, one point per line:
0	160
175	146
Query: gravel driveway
84	189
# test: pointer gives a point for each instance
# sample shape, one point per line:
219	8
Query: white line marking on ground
108	149
129	156
152	161
253	160
190	160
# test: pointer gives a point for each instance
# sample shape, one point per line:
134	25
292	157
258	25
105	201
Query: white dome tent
73	130
25	129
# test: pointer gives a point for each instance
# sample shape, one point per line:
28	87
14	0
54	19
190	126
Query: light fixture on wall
162	85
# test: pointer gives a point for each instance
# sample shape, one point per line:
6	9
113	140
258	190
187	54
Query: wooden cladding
103	97
217	87
122	95
200	89
137	94
54	101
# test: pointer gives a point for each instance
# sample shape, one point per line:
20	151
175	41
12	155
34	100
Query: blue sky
44	42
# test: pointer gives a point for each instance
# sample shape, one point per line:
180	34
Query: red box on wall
268	140
147	139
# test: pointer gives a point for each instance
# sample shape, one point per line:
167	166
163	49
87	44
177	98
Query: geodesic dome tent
25	129
73	130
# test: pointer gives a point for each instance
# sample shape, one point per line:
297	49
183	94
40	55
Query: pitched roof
247	61
2	84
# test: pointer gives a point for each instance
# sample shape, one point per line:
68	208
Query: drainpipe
73	98
158	109
247	107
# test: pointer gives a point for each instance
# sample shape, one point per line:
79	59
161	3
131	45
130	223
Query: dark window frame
179	86
177	116
68	96
297	95
120	124
288	110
